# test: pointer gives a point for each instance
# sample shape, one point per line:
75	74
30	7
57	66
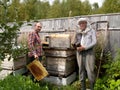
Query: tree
74	6
30	6
42	9
55	10
111	6
1	13
8	35
22	12
87	9
95	8
13	10
62	9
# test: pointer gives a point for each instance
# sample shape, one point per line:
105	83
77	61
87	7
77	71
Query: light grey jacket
86	38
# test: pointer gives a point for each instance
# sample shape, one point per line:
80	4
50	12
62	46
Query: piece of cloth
34	44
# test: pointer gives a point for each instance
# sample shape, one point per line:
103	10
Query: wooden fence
69	24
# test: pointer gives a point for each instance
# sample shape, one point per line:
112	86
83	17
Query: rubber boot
83	85
92	86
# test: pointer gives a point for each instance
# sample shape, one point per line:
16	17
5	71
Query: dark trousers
86	63
32	58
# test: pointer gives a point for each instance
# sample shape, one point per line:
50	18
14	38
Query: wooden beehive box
62	66
59	52
14	64
61	80
59	41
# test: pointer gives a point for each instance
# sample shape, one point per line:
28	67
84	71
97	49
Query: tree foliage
111	6
8	32
95	8
55	10
37	9
86	8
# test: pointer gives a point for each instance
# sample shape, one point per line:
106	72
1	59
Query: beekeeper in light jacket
85	40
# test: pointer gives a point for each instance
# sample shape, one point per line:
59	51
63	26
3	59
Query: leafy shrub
9	34
68	87
111	78
19	83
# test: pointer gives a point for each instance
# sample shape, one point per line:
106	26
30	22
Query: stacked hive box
60	60
13	66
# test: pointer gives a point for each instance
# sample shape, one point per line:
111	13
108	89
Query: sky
91	1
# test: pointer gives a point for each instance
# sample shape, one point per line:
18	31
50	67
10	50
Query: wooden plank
20	71
61	80
114	42
14	64
61	73
59	52
5	73
59	41
19	63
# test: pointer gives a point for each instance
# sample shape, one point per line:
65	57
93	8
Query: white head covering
81	20
88	25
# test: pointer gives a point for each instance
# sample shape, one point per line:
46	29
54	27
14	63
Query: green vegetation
16	11
37	9
110	78
9	33
18	83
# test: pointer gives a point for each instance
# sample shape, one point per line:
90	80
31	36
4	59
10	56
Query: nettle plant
8	36
111	77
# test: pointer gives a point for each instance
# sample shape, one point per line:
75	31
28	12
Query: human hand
81	48
36	56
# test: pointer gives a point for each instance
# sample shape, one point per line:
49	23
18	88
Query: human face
83	25
38	27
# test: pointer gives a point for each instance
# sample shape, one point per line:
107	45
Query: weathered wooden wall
69	24
114	40
62	24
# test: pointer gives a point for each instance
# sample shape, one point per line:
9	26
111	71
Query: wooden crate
20	71
59	52
61	66
4	73
59	41
61	80
14	64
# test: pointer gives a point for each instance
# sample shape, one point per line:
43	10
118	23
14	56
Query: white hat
82	19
